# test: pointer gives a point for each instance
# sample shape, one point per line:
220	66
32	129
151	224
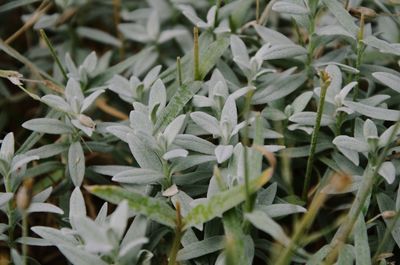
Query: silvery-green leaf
241	92
345	91
7	147
175	153
370	129
202	101
153	25
21	160
194	143
153	208
381	45
309	118
119	218
346	255
176	104
73	93
193	160
167	35
16	257
90	62
190	14
56	102
201	248
40	207
388	79
5	197
138	176
267	196
388	171
273	114
102	214
54	236
86	129
362	251
33	241
239	50
386	203
140	120
342	16
48	150
263	222
300	103
283	51
223	152
132	246
78	256
281	209
329	30
385	139
94	236
143	153
76	163
374	112
151	76
120	131
271	36
229	112
206	122
43	195
158	96
351	143
223	201
289	8
47	125
279	89
134	32
98	35
109	170
172	130
350	154
211	15
274	148
77	206
90	99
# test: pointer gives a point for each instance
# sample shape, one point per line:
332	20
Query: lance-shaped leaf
388	79
220	203
342	16
374	112
176	104
154	209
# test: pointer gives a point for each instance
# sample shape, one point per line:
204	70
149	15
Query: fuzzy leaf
223	201
154	209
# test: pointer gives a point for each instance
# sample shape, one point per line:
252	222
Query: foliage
268	136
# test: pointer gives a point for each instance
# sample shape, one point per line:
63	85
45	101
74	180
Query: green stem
360	51
386	236
24	235
178	236
314	139
196	54
179	70
300	230
249	200
10	211
362	194
53	53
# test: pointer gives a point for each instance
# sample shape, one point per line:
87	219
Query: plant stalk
53	53
368	181
196	59
314	137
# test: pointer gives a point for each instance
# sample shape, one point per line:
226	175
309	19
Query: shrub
267	135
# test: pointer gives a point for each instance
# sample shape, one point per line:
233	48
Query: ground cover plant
200	132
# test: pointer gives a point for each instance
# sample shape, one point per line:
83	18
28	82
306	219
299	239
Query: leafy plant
268	136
